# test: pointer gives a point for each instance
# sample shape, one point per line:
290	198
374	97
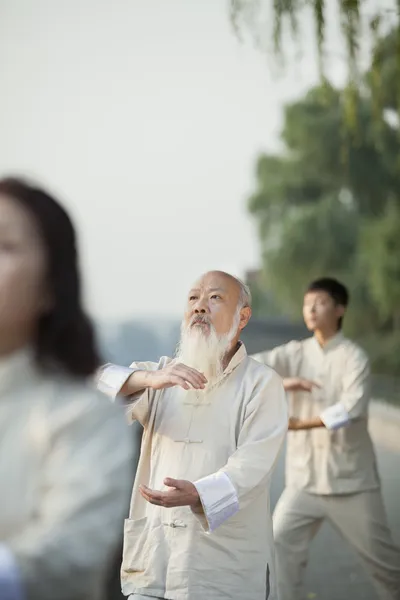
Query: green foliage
354	15
380	248
263	303
330	205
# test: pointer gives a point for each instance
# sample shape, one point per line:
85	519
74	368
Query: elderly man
214	422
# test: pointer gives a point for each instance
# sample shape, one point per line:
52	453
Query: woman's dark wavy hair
65	336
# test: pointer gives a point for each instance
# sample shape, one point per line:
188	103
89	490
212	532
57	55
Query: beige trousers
359	518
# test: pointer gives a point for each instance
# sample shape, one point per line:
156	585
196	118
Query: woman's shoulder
74	399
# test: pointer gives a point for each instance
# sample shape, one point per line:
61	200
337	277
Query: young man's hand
298	384
296	424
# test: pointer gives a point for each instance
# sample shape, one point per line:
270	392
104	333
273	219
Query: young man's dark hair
336	290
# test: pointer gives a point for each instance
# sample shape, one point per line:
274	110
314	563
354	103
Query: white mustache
199	319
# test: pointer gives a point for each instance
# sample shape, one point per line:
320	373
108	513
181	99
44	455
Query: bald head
227	281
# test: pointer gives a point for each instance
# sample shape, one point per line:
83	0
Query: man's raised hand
175	374
171	375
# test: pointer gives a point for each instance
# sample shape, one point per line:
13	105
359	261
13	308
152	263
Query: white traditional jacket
227	444
338	458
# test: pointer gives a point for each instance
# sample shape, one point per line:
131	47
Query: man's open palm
182	493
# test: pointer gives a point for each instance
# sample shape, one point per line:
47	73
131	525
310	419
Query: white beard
202	349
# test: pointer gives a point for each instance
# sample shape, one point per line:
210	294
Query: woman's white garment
64	476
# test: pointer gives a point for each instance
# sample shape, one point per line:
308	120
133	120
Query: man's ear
340	310
245	315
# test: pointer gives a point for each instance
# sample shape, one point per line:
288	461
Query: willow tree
356	17
319	215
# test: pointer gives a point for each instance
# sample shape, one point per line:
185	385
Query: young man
214	422
331	469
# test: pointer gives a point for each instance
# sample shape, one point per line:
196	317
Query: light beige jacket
227	444
340	458
64	479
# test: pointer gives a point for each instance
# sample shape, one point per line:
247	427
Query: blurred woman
65	452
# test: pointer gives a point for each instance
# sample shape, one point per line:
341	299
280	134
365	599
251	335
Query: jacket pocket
135	545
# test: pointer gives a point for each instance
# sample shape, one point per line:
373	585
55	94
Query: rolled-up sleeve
335	417
111	379
218	498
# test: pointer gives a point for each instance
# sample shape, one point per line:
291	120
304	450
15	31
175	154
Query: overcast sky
145	117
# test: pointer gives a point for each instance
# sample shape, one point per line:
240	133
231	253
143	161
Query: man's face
212	301
211	325
321	312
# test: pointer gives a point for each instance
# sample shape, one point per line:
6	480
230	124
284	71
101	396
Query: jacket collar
331	344
15	369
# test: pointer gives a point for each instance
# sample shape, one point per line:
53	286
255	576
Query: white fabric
142	597
232	433
335	417
361	521
219	499
111	378
10	578
65	469
339	459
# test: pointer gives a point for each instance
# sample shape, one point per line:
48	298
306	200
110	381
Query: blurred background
180	141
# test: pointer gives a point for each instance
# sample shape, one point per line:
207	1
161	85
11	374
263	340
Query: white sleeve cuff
335	416
218	498
10	581
112	378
